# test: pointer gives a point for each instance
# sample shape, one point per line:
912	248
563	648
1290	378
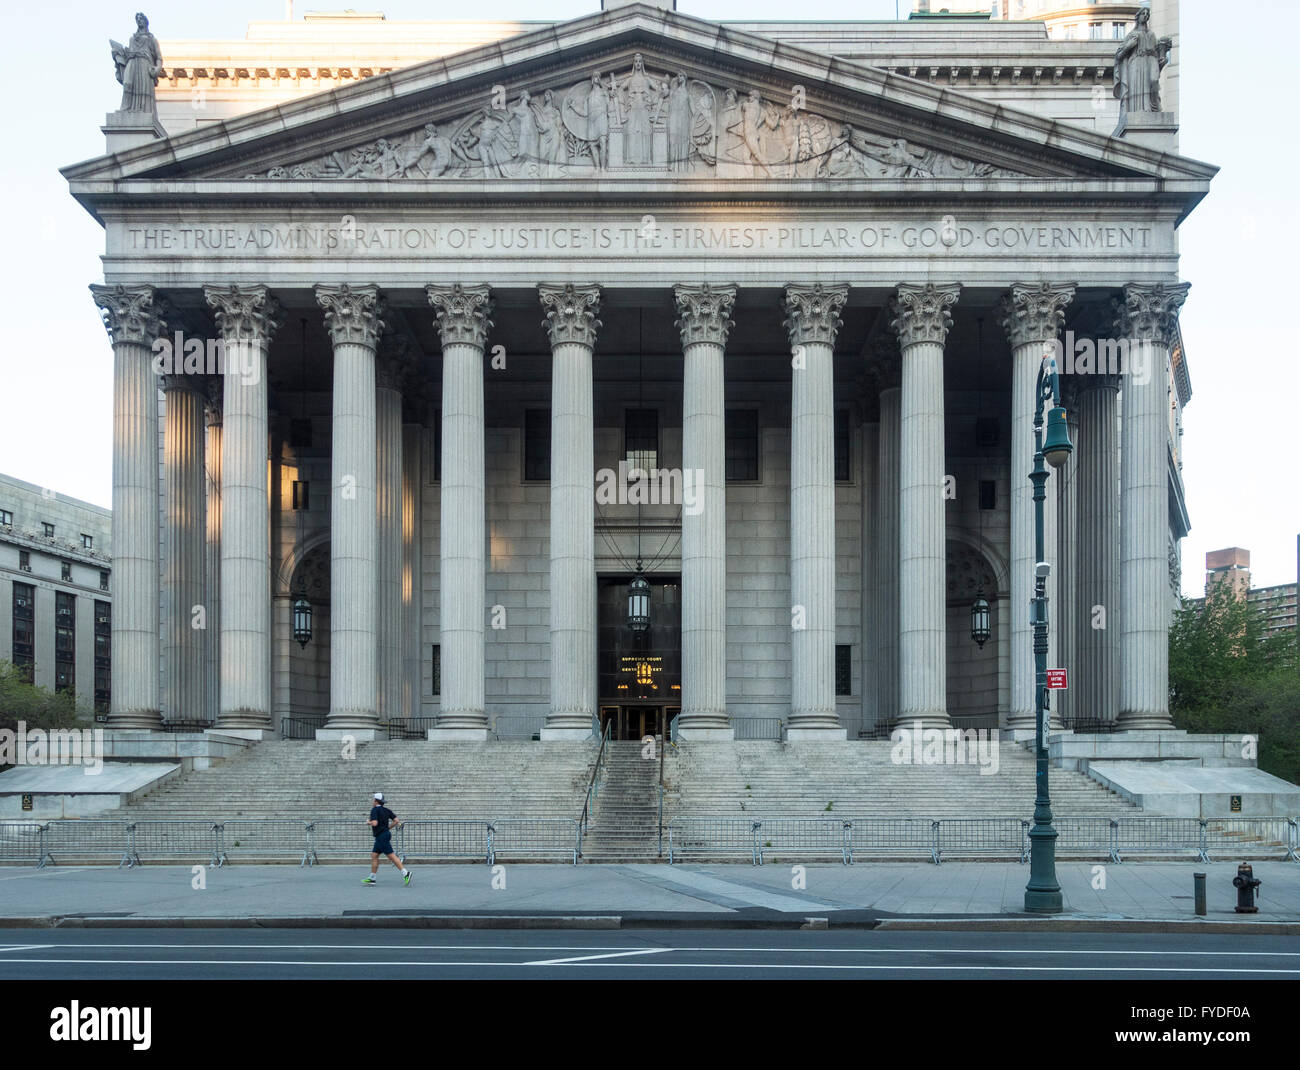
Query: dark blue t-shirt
384	816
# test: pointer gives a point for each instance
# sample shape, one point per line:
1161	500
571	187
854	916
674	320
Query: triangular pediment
638	94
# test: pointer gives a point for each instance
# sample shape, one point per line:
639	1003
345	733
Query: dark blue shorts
383	844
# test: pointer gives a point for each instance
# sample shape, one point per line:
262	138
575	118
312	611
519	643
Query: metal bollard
1246	882
1198	882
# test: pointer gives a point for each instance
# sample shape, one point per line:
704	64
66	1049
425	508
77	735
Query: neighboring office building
1232	566
55	591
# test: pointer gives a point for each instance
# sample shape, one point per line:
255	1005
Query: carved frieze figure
640	93
586	112
679	124
1138	63
138	64
527	143
550	133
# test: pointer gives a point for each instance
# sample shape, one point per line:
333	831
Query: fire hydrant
1245	882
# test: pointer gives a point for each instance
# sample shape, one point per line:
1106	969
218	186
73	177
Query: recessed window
66	570
537	444
433	461
103	655
87	541
742	445
103	579
843	449
24	629
436	665
641	438
25	560
47	530
988	494
6	518
301	496
65	642
844	670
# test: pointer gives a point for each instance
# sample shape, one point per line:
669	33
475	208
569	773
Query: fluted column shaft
922	324
212	463
812	320
388	512
1032	317
1148	318
888	559
1067	580
463	324
412	574
186	538
353	319
1097	616
134	320
871	629
705	322
572	324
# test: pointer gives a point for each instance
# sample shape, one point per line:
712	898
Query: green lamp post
1043	892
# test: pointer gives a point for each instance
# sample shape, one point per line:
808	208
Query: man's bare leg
374	863
393	859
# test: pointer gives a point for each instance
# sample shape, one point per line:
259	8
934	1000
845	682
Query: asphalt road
158	954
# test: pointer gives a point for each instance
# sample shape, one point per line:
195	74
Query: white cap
379	796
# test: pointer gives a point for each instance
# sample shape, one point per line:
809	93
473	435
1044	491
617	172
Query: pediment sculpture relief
640	124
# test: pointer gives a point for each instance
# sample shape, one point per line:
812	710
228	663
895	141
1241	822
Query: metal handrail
593	788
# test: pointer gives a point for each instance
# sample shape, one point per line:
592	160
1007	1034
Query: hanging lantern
638	603
1057	447
302	619
979	619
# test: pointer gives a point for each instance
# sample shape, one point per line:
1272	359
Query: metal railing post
1201	850
1293	837
491	854
756	858
935	850
1024	841
1114	841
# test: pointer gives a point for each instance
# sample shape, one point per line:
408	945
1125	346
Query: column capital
1149	312
1034	312
462	313
132	313
705	313
921	313
353	314
571	313
244	313
813	312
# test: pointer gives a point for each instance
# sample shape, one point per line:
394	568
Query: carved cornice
353	314
921	313
1034	313
813	313
704	313
135	314
1149	312
244	313
571	313
463	313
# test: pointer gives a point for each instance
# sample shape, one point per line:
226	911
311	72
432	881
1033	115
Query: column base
706	734
136	721
359	735
453	735
549	734
1145	722
796	734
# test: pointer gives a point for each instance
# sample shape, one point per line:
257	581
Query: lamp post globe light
1043	892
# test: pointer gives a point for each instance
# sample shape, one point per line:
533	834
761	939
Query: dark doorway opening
640	673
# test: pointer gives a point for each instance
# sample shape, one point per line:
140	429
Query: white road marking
51	872
24	947
610	955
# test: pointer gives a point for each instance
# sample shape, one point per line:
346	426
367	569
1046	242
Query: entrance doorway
640	673
637	722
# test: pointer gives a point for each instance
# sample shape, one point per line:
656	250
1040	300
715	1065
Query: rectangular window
66	571
433	462
6	518
742	445
537	444
844	670
25	560
65	641
988	494
300	433
103	655
103	579
24	617
47	530
300	494
1094	31
437	669
843	447
641	438
87	541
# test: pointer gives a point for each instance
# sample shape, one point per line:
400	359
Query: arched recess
308	570
974	673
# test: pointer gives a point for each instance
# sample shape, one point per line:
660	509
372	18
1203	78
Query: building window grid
47	529
25	560
103	579
103	656
844	670
65	641
24	629
65	571
436	666
742	445
87	541
641	438
843	447
6	518
537	445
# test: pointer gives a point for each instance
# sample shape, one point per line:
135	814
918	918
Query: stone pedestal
1150	129
130	129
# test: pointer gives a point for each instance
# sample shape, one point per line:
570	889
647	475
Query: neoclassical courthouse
432	341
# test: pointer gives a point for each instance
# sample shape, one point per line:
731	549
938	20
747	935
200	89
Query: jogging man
382	822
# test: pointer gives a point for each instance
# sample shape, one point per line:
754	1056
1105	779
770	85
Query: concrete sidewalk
893	895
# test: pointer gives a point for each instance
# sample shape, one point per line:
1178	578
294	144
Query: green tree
35	706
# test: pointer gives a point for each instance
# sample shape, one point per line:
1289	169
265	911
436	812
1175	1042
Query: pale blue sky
1237	112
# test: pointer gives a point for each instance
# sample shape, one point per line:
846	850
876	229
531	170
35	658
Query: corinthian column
133	317
186	538
1032	317
812	320
389	368
247	317
212	568
1148	318
705	320
572	324
463	326
353	319
921	322
887	563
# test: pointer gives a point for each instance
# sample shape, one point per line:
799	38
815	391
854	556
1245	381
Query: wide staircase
858	778
309	779
625	827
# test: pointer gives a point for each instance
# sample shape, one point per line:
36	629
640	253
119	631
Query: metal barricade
980	836
1089	836
175	841
443	838
277	839
712	837
535	837
340	838
78	838
22	841
909	836
826	837
1159	835
1250	835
